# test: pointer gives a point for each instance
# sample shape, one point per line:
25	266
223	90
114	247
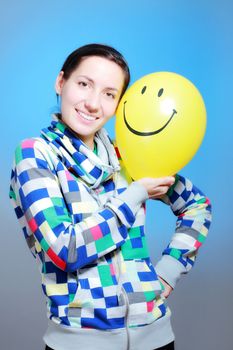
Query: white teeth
85	116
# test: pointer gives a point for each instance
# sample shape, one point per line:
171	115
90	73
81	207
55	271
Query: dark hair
75	58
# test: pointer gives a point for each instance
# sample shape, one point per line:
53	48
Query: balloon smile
149	133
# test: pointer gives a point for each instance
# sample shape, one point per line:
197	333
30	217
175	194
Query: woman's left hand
168	288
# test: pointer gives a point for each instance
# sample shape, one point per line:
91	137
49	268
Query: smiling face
160	124
90	95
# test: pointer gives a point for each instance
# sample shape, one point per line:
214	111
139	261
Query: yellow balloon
160	124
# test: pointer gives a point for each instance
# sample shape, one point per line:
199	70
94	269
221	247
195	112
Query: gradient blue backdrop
192	38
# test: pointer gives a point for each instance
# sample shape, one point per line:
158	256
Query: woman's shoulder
29	145
31	142
33	147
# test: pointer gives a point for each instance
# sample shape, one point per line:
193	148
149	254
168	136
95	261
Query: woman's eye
110	95
82	83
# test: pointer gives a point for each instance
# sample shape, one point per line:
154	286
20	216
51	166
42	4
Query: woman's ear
59	83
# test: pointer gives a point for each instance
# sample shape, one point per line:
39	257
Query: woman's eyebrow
92	81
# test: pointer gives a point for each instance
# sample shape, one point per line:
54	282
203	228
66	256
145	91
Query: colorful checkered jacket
84	223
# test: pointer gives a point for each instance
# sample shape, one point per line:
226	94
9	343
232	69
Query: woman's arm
193	211
41	209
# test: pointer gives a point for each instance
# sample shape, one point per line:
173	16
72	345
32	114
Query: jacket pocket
96	301
140	280
143	288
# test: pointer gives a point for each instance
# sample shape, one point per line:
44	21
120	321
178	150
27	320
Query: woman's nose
92	102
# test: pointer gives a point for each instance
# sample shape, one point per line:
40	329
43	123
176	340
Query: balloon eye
143	90
160	92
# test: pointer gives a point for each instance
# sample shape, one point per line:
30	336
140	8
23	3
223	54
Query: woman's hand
168	289
157	187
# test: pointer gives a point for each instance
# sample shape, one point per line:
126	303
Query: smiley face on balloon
160	124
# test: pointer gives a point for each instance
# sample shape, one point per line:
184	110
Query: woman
85	224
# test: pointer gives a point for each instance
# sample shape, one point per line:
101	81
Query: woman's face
90	95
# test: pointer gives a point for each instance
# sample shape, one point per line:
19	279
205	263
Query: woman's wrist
134	196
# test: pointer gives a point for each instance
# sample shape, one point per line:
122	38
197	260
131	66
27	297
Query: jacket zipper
126	317
117	265
126	300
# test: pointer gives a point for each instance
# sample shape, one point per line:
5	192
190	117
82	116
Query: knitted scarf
78	157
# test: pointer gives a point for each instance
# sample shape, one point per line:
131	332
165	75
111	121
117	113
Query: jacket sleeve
193	211
40	207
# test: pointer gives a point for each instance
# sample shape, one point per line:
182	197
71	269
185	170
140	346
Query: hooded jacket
84	224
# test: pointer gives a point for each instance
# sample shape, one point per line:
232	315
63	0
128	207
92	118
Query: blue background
192	38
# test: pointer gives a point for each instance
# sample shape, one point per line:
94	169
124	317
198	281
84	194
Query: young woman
85	224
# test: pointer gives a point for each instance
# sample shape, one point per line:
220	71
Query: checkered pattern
88	242
194	216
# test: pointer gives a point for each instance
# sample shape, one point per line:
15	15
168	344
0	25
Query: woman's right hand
157	187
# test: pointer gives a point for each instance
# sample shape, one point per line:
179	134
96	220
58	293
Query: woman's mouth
85	116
